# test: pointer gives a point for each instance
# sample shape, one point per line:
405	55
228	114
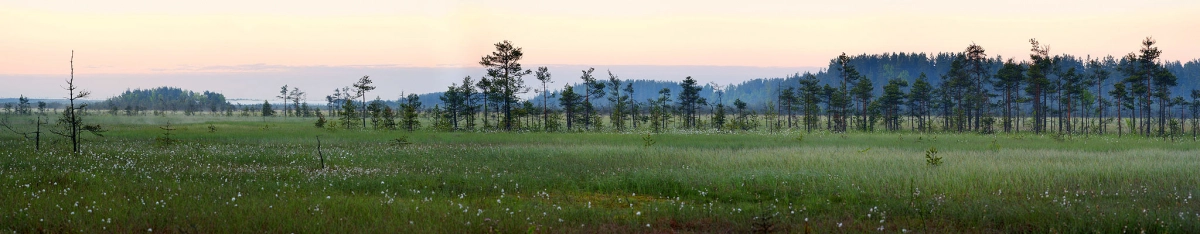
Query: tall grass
251	176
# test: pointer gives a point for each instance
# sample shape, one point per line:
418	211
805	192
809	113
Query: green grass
249	178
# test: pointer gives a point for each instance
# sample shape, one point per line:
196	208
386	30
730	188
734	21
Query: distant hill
168	99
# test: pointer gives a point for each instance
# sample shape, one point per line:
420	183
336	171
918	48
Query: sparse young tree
810	96
718	117
891	101
296	96
410	116
360	90
454	100
787	99
1120	95
23	107
661	110
543	75
630	104
1099	75
1009	81
591	88
1195	107
267	111
375	111
41	108
689	100
569	102
283	95
466	91
617	101
919	98
849	75
863	92
349	114
485	88
389	118
742	119
978	69
1037	82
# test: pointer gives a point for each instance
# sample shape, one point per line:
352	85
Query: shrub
320	120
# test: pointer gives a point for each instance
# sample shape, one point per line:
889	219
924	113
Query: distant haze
264	81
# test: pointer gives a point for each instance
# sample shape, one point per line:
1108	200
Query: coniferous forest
966	91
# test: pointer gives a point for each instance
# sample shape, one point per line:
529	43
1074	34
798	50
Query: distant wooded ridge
878	68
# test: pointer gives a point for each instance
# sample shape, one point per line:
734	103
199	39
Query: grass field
247	176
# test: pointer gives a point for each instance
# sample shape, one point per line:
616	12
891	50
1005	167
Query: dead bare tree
319	154
36	134
71	122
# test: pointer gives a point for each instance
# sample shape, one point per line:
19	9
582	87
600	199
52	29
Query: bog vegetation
995	146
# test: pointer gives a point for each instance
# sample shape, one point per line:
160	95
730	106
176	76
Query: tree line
1137	93
967	91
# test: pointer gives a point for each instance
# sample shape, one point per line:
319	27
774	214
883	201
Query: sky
248	49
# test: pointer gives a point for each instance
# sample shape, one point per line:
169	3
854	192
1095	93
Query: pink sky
144	36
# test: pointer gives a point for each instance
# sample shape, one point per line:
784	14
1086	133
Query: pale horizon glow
169	37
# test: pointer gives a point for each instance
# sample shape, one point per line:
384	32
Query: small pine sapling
401	141
165	140
932	158
647	141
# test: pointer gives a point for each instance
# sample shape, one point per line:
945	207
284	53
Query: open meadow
222	174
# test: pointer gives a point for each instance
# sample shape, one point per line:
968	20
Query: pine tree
283	95
1120	95
569	102
919	99
267	110
689	99
849	75
411	105
863	93
810	92
349	113
360	89
543	75
591	88
891	101
1037	82
504	67
1009	81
